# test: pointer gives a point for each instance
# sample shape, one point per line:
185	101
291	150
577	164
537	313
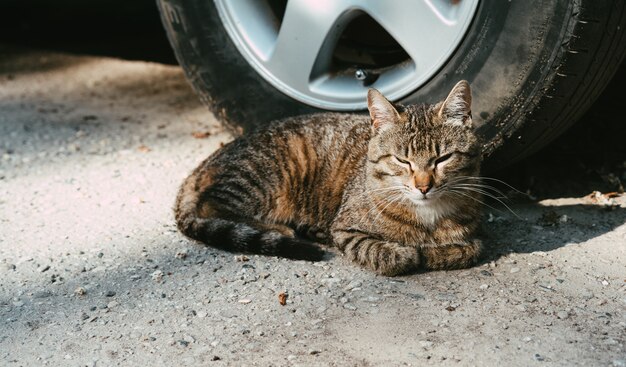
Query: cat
392	190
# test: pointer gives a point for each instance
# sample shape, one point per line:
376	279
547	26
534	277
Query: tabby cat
392	191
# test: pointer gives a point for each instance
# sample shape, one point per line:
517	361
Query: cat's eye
443	158
403	161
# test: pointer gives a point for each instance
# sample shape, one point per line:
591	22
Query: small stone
527	339
425	344
84	316
241	258
23	259
42	294
371	299
109	293
181	254
291	357
183	343
483	286
314	352
216	358
486	273
112	304
201	314
539	357
353	284
9	267
330	282
245	301
562	315
157	276
586	294
515	270
80	291
349	306
605	282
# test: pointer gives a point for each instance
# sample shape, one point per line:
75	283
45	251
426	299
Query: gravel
92	152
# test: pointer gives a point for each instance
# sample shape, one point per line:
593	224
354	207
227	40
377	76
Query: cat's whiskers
399	197
377	204
475	184
494	180
485	193
381	190
452	191
485	189
481	185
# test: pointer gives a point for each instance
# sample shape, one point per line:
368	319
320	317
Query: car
535	66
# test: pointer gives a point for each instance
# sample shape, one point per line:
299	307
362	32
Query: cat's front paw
368	250
386	258
451	256
394	259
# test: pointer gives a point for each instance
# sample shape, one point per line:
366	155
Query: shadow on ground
547	227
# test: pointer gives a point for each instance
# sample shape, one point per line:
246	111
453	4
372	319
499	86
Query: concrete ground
93	271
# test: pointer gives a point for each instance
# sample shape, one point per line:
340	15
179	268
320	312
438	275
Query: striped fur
342	180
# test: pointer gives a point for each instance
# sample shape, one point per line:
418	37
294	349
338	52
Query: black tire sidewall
503	56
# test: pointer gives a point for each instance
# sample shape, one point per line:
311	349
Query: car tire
535	67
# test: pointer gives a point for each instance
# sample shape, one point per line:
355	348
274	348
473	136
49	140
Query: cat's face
421	153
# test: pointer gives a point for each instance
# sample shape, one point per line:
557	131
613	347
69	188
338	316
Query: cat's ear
456	108
382	112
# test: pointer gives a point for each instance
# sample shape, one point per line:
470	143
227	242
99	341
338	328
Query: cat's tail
234	236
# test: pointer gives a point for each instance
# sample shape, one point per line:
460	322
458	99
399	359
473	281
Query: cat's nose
423	182
424	189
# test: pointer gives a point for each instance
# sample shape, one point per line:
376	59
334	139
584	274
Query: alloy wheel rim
295	53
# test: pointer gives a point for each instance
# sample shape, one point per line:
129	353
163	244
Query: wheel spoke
309	29
420	26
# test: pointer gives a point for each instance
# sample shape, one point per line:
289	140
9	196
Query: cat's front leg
384	257
452	256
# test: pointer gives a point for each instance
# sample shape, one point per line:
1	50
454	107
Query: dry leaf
282	298
201	134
